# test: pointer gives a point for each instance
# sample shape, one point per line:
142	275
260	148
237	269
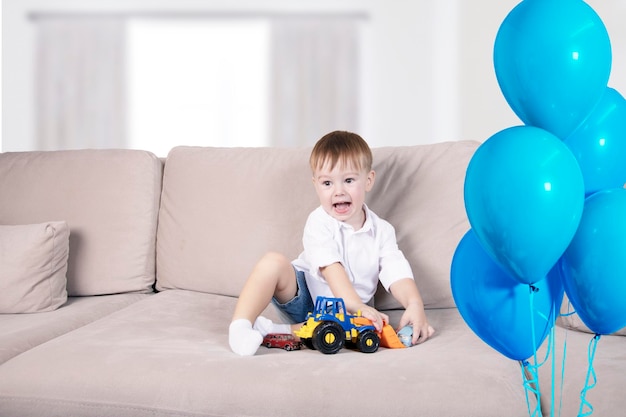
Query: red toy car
282	341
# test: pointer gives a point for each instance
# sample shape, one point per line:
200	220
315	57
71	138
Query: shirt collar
368	226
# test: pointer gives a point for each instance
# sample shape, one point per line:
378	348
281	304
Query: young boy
347	250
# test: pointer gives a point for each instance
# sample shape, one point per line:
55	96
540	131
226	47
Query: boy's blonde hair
340	146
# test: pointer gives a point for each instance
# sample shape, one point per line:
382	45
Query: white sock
266	326
242	338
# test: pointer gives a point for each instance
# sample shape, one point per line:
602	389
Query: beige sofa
159	250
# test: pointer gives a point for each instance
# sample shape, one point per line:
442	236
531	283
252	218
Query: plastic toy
282	341
330	327
405	335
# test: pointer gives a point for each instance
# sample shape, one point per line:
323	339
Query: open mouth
342	207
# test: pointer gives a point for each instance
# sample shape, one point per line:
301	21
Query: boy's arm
340	285
406	292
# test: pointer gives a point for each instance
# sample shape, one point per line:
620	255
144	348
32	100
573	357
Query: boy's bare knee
275	260
280	268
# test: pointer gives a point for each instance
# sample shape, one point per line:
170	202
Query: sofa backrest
109	199
222	209
419	190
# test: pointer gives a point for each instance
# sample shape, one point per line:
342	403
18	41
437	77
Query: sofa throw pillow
33	267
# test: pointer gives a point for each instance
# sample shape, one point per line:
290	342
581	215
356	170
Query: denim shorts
296	309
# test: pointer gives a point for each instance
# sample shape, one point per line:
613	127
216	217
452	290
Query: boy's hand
340	285
378	319
415	316
406	292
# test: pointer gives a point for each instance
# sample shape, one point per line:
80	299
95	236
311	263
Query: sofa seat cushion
607	397
110	201
21	332
168	355
222	209
33	259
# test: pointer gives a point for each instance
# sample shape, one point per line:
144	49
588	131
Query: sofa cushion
33	259
564	372
22	332
110	200
222	209
168	355
419	190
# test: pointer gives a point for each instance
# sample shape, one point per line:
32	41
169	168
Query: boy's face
341	191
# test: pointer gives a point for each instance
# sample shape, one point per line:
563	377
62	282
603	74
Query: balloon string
591	374
569	310
562	385
552	349
531	385
533	290
530	374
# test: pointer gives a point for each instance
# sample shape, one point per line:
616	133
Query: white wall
429	73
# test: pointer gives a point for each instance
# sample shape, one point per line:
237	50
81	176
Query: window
200	82
155	82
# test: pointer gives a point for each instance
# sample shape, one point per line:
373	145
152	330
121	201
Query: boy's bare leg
273	276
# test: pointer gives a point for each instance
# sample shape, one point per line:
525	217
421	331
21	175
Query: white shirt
368	255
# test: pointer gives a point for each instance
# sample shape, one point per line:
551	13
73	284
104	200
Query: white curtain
81	75
315	78
80	82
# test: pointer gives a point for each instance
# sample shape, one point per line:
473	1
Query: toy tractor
330	327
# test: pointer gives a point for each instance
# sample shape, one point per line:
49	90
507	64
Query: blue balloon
594	265
524	197
599	144
552	60
497	307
